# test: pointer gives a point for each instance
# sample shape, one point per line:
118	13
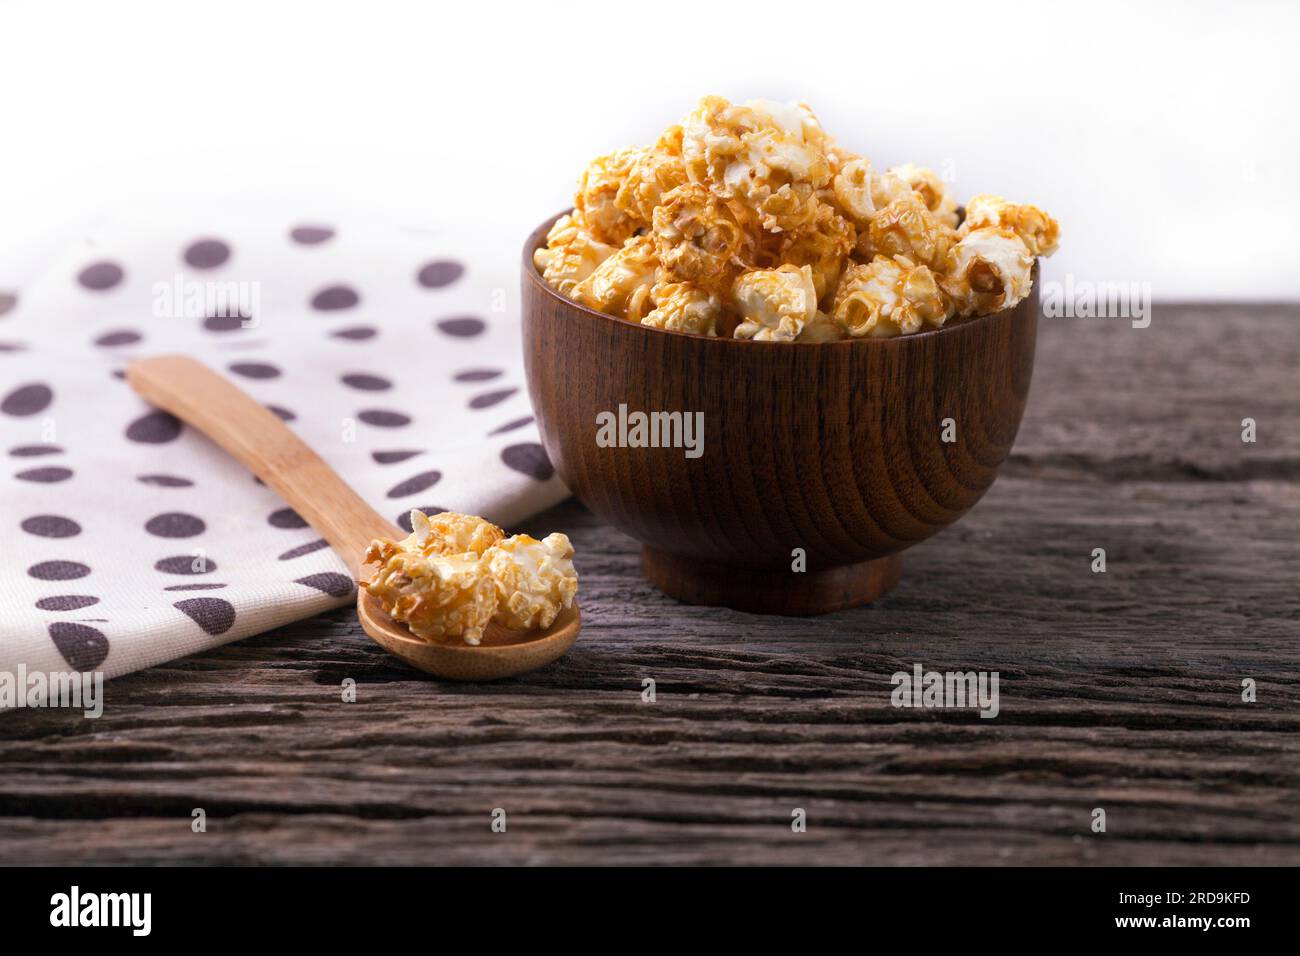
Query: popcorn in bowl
887	297
775	304
747	220
454	574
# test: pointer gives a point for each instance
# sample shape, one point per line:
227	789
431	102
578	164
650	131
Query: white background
1156	133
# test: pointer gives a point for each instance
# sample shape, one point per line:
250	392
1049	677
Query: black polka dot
281	413
120	337
356	333
66	602
404	519
12	346
58	571
488	399
35	451
154	428
225	323
285	518
512	425
118	373
49	475
416	483
311	235
478	374
384	419
207	254
51	526
185	564
27	400
194	587
7	302
165	481
528	458
335	297
462	327
214	615
254	370
302	549
100	276
394	456
335	585
83	647
441	272
366	383
175	524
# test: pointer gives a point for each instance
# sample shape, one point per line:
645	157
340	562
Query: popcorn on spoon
455	573
263	444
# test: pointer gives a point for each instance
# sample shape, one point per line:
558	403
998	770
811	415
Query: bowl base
716	584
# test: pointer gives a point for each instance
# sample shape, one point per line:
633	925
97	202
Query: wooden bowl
826	457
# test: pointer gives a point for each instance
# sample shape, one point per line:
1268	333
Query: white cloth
129	540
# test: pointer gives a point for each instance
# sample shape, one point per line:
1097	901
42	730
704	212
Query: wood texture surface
1119	690
843	452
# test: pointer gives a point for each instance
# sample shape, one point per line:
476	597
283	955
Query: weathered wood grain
1119	691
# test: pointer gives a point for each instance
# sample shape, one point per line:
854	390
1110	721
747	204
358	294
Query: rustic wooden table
1120	690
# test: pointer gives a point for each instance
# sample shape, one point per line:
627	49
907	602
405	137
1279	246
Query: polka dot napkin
129	538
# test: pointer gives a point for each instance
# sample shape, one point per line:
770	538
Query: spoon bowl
262	443
502	652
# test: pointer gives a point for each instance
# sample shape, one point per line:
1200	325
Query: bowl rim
537	238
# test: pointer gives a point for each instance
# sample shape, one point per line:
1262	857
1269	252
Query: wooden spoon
259	441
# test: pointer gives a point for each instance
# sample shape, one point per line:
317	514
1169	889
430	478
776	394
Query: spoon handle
259	441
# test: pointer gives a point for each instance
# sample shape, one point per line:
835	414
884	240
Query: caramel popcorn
988	270
775	304
888	186
621	284
769	155
821	328
1036	229
434	594
888	297
698	236
824	245
853	187
723	225
655	173
596	201
535	580
450	532
682	307
927	184
456	573
905	227
571	254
